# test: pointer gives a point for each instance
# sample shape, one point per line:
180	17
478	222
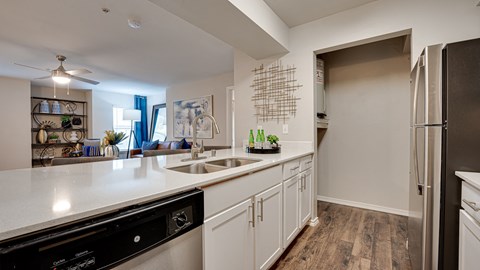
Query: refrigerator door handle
415	91
420	186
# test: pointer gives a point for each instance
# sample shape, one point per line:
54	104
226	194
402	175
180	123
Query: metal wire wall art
274	92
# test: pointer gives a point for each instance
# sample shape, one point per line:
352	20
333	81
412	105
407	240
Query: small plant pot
66	124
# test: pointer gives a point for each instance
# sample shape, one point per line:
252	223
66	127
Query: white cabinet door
290	209
469	242
228	239
268	227
305	197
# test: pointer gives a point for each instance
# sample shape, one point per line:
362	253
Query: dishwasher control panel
105	241
180	220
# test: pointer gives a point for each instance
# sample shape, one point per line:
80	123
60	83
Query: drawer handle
294	168
261	209
308	162
253	214
472	205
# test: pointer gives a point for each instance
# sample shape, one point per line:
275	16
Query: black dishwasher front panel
106	241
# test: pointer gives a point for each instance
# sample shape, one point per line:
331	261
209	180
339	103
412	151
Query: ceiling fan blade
84	80
42	69
78	71
45	77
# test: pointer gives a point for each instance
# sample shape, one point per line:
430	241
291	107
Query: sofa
169	148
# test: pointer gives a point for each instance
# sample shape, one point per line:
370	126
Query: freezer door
416	197
426	91
425	176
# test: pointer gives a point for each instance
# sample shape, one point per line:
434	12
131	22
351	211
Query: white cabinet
469	232
297	197
247	235
268	227
290	209
469	245
228	239
305	196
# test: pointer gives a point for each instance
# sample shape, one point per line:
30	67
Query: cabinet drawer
221	196
471	200
305	163
291	168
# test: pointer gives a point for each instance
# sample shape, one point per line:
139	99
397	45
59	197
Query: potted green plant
53	138
273	139
66	121
113	138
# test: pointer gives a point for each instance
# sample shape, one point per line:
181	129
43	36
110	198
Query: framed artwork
184	111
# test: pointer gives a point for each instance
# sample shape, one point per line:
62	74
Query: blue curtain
141	128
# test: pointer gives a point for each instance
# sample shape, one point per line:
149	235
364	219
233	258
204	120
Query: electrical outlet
285	128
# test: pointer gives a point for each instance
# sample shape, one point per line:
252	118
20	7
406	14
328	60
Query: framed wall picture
184	111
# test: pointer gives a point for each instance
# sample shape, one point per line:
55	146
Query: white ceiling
166	50
297	12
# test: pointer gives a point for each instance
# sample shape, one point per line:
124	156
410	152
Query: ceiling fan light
61	79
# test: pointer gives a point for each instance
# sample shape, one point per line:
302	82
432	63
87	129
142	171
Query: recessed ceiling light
134	23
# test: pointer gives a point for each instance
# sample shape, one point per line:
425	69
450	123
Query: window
120	125
158	127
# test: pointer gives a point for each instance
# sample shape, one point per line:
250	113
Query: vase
112	151
42	136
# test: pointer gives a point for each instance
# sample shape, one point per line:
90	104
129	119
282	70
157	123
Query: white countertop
38	198
473	178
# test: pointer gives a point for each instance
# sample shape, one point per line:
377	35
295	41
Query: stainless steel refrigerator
444	138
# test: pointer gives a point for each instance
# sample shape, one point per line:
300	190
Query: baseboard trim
363	205
314	222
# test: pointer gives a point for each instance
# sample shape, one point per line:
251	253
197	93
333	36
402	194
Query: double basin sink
214	165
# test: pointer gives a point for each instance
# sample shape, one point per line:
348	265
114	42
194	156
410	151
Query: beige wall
15	138
364	154
429	21
215	86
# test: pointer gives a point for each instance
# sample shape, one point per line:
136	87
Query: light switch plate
285	129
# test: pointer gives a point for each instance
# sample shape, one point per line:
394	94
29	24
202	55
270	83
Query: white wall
430	22
102	110
215	86
244	116
15	138
364	154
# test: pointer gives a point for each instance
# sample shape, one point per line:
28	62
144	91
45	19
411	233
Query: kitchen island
40	198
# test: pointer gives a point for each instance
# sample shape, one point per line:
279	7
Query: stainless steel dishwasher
164	234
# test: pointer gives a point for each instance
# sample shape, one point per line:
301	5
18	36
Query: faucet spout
195	149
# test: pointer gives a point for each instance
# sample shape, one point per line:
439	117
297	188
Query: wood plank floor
349	238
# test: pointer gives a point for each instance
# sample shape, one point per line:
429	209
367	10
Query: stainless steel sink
233	162
198	168
214	165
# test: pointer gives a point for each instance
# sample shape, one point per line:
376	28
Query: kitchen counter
473	178
39	198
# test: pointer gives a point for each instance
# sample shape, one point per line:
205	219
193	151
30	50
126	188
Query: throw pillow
149	145
176	145
185	144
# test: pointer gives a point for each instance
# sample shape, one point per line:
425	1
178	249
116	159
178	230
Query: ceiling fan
61	75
